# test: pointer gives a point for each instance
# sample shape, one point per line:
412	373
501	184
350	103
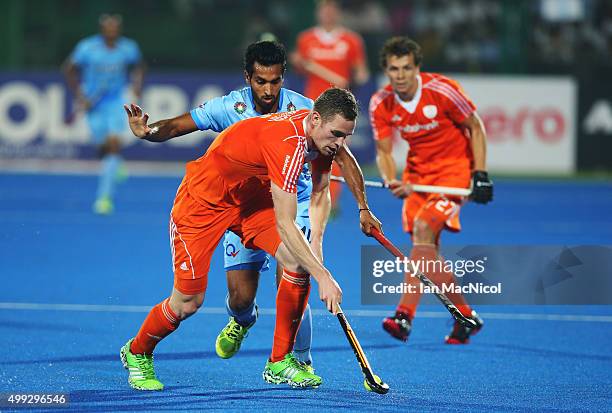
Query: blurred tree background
474	36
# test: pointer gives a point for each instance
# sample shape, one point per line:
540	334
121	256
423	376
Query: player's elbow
475	125
320	191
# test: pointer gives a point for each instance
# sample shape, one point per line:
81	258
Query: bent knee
187	306
240	302
422	232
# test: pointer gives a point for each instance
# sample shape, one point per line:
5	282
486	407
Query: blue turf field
76	286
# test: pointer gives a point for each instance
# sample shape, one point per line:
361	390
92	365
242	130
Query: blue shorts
107	118
237	257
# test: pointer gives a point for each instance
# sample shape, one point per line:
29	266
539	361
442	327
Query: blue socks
106	183
303	340
246	317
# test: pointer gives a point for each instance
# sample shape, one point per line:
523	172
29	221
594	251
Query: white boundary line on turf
103	308
89	167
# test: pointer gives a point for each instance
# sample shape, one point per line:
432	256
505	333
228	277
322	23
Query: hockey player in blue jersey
264	68
98	73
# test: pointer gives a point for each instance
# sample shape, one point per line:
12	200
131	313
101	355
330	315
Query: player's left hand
399	189
368	221
482	188
137	120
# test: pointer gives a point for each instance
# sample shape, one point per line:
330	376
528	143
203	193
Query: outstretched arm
294	242
159	131
354	179
285	209
320	206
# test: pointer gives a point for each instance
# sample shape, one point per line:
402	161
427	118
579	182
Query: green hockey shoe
140	367
103	206
230	338
290	371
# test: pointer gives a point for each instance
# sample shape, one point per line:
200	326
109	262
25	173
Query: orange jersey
440	149
339	51
247	156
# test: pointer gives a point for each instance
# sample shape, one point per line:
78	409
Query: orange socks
291	300
160	322
409	301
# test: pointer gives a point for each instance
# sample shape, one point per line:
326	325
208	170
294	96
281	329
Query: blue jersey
219	113
104	70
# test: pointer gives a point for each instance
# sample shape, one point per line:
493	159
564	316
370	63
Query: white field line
271	311
89	167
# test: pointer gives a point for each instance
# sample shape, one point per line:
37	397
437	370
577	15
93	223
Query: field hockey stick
465	321
431	189
371	380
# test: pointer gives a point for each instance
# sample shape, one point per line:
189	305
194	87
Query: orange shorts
437	210
196	230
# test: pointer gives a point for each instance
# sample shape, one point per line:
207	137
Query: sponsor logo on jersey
277	117
184	266
419	127
338	52
291	107
430	111
286	164
240	107
202	105
231	250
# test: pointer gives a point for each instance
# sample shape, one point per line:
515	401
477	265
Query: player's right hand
399	189
137	121
368	221
330	293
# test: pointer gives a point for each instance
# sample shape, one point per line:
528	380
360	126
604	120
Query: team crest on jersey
291	107
240	107
430	111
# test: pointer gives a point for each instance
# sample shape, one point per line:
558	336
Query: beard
266	105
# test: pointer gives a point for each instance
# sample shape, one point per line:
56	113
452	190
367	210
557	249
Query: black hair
400	46
266	53
108	16
336	101
326	2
